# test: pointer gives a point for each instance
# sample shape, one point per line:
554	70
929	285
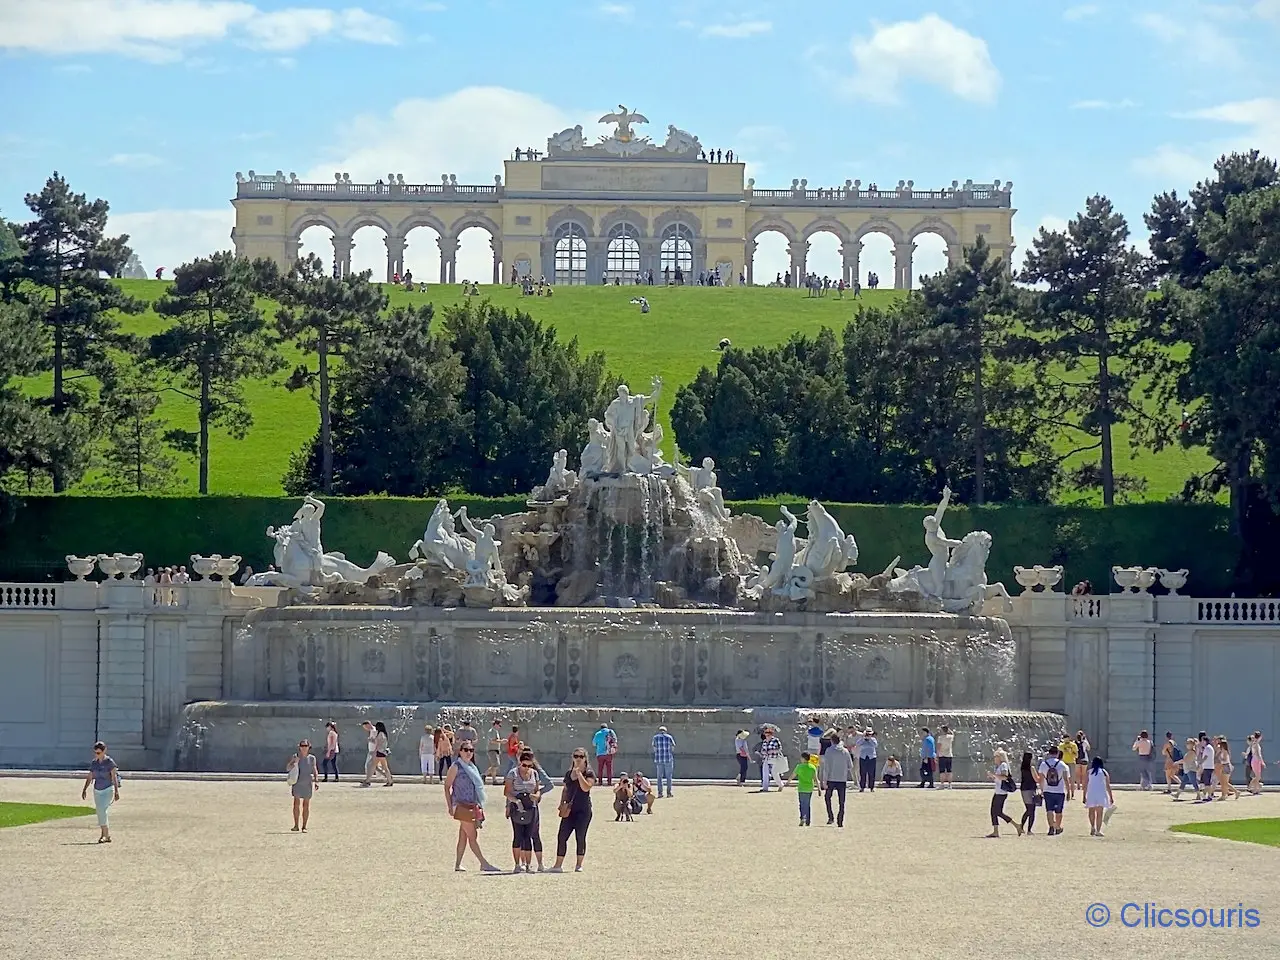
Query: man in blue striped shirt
664	759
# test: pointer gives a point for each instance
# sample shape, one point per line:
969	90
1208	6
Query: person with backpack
605	742
1172	754
1055	779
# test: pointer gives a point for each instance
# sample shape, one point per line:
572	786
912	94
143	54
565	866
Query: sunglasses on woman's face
579	756
466	750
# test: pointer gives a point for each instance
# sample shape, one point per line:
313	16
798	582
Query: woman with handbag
464	798
304	780
1003	777
575	810
1030	792
523	790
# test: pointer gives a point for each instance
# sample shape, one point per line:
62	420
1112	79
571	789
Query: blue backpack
1175	754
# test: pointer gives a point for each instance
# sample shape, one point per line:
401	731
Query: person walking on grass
330	760
464	798
304	781
1145	750
1031	798
946	753
835	770
664	759
1098	798
1002	776
805	773
1055	781
575	811
104	775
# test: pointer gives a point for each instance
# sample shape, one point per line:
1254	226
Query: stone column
799	250
291	248
954	253
595	261
851	253
748	260
395	256
650	259
448	258
1005	254
342	255
496	246
902	265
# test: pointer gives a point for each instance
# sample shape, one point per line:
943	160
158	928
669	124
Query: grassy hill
673	341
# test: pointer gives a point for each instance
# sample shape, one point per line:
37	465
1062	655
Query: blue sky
155	105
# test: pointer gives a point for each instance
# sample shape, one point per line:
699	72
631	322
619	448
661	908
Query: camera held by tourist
623	793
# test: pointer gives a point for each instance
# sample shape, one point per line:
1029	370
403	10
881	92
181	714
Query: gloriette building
580	212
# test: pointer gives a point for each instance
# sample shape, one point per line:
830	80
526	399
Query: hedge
1086	540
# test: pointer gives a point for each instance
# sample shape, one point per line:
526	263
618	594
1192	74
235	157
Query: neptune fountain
626	591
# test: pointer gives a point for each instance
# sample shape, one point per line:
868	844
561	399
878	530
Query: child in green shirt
805	774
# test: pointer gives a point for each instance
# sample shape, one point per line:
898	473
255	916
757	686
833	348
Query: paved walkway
211	870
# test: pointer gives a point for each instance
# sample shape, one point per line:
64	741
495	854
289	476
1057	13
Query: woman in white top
1002	775
382	754
427	753
1255	762
1098	796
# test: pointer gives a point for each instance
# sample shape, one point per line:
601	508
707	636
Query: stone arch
469	220
949	234
420	219
361	220
776	225
676	215
312	220
571	214
623	215
828	225
880	225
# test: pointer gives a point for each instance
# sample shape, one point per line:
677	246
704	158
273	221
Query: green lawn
1264	830
21	814
673	341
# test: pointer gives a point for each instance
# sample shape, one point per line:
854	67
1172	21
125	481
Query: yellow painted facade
580	215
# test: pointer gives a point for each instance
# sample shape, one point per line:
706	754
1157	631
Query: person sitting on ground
622	794
644	795
892	772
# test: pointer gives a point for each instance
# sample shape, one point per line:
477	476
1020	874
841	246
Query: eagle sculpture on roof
624	118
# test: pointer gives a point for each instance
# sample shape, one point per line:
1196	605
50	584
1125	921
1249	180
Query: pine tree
135	456
218	340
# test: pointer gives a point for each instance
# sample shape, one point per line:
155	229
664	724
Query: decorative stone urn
128	564
226	567
80	566
108	565
205	567
1126	578
1146	579
1038	578
1171	580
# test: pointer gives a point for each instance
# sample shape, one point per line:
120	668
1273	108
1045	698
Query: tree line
409	403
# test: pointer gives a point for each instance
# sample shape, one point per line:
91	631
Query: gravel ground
211	870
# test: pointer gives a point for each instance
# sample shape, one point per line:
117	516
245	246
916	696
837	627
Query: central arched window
570	254
676	251
622	256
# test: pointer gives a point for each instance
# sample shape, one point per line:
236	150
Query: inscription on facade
632	178
724	223
524	221
266	220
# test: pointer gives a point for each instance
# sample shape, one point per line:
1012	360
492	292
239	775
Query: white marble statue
706	488
680	141
596	453
625	419
441	544
485	569
560	479
956	575
300	558
828	550
778	577
569	140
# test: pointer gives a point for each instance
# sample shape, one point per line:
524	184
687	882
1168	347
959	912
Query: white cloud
739	30
160	30
1267	9
135	160
1081	11
1256	125
1194	34
929	50
621	11
1124	104
167	238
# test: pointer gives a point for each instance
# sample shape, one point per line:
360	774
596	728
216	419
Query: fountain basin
260	737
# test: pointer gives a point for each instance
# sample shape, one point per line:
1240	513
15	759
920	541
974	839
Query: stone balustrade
852	193
447	190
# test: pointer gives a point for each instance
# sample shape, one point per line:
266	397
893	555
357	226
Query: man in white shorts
946	753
